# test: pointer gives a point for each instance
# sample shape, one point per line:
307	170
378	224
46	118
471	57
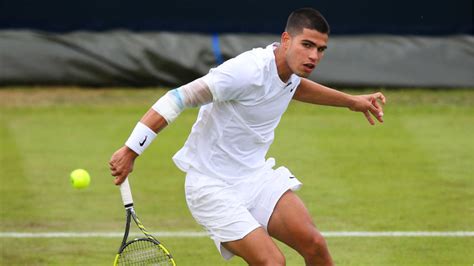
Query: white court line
179	234
190	234
401	234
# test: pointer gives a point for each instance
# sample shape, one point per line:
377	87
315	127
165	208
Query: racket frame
127	199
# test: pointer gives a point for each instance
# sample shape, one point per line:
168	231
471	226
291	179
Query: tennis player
232	190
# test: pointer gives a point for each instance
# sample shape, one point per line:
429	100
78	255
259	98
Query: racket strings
143	252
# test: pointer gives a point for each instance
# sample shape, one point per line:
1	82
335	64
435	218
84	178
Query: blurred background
156	43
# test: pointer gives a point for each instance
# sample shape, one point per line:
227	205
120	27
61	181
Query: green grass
415	172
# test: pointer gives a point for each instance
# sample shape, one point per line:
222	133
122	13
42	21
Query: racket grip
126	194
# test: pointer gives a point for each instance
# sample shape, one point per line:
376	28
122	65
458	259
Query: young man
231	189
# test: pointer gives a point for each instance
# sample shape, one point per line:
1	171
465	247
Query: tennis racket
140	251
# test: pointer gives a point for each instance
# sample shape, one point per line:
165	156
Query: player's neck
284	71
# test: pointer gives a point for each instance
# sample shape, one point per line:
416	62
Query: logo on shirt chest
288	86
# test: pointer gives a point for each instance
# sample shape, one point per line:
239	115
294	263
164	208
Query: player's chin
303	74
305	71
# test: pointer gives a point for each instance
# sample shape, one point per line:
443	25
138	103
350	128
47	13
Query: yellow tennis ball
80	178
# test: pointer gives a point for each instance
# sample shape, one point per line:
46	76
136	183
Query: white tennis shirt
232	135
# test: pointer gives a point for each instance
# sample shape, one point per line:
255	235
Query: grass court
415	172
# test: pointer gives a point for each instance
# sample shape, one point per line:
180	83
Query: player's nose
314	56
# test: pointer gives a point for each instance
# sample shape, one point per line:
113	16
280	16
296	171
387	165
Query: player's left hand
369	104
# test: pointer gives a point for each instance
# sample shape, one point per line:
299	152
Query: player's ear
285	39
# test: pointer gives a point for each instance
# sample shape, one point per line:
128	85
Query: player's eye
322	49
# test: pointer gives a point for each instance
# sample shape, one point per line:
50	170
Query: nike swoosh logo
143	142
287	85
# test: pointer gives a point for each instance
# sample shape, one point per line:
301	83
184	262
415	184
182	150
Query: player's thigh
256	248
292	224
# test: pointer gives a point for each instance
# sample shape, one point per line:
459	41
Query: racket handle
126	194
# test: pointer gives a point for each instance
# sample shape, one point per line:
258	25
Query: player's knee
316	246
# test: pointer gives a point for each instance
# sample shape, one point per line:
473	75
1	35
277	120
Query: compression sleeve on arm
193	94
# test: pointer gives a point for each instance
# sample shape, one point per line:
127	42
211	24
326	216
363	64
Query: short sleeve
234	79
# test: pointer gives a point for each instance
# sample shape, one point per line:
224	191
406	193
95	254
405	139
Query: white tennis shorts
230	211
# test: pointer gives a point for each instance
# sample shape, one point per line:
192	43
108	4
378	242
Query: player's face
305	50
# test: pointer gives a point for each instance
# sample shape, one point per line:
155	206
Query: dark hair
306	18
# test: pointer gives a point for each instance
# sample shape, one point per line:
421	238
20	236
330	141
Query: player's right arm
162	113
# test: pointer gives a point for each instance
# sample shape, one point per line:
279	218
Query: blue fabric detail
217	49
176	93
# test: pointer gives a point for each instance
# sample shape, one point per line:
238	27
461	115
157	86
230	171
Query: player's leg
218	207
257	248
292	224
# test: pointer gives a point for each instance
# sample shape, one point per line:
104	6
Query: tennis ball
80	178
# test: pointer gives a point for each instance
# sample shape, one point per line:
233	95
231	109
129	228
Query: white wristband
141	138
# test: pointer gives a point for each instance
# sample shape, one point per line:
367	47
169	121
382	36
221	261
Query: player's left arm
311	92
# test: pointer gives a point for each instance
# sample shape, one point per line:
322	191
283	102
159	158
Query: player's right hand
121	164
